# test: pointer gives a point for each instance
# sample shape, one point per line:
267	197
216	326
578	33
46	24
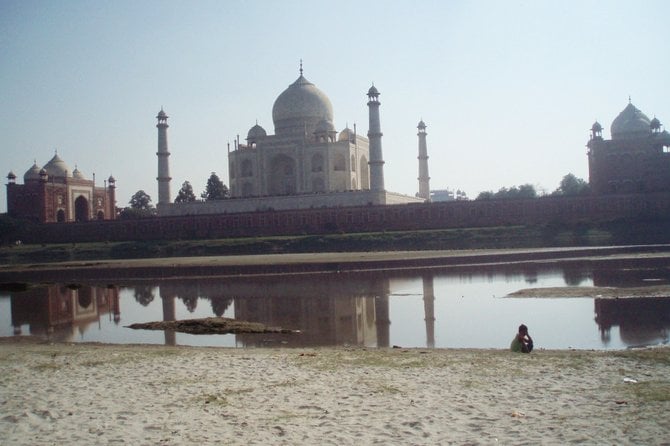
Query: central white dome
299	109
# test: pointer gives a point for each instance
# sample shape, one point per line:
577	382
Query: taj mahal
307	163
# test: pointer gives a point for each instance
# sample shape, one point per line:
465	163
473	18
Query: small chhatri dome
324	126
161	114
596	127
655	124
373	91
256	132
33	173
346	135
76	173
11	175
631	123
111	179
422	125
299	108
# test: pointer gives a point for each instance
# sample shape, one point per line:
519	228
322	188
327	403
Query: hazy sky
508	89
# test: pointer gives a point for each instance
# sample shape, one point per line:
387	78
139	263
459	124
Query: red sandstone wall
363	219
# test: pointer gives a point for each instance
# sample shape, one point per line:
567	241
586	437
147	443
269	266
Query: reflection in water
57	312
641	321
144	294
357	309
429	309
327	311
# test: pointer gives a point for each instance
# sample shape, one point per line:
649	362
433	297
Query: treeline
140	204
570	186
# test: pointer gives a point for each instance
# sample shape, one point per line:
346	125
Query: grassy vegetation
612	233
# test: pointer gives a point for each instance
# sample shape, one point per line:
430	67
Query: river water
454	308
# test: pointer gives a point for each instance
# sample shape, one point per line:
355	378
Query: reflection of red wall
640	320
56	309
480	213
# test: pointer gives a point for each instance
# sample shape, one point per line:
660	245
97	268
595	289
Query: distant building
447	195
635	160
307	163
56	194
442	195
306	154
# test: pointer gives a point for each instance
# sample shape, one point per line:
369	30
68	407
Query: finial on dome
629	101
300	67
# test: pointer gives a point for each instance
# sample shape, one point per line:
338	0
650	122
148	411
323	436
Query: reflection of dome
56	167
630	123
346	135
256	132
33	173
299	108
636	334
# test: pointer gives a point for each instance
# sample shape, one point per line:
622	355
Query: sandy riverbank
326	262
150	395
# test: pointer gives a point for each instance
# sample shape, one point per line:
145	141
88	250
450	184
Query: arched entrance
283	179
318	185
60	216
81	209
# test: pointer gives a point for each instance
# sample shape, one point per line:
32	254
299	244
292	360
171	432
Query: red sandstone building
635	160
56	194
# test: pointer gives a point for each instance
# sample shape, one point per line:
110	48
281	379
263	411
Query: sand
87	394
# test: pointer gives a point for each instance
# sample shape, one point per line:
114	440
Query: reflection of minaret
429	310
382	316
424	179
375	136
163	155
169	314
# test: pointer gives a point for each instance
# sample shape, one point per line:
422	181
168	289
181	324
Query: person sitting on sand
522	342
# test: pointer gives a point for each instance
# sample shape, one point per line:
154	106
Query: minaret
376	162
424	179
111	198
163	155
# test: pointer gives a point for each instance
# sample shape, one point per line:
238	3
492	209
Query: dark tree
141	200
572	186
140	207
144	295
191	302
185	194
220	304
525	191
514	192
215	189
485	195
